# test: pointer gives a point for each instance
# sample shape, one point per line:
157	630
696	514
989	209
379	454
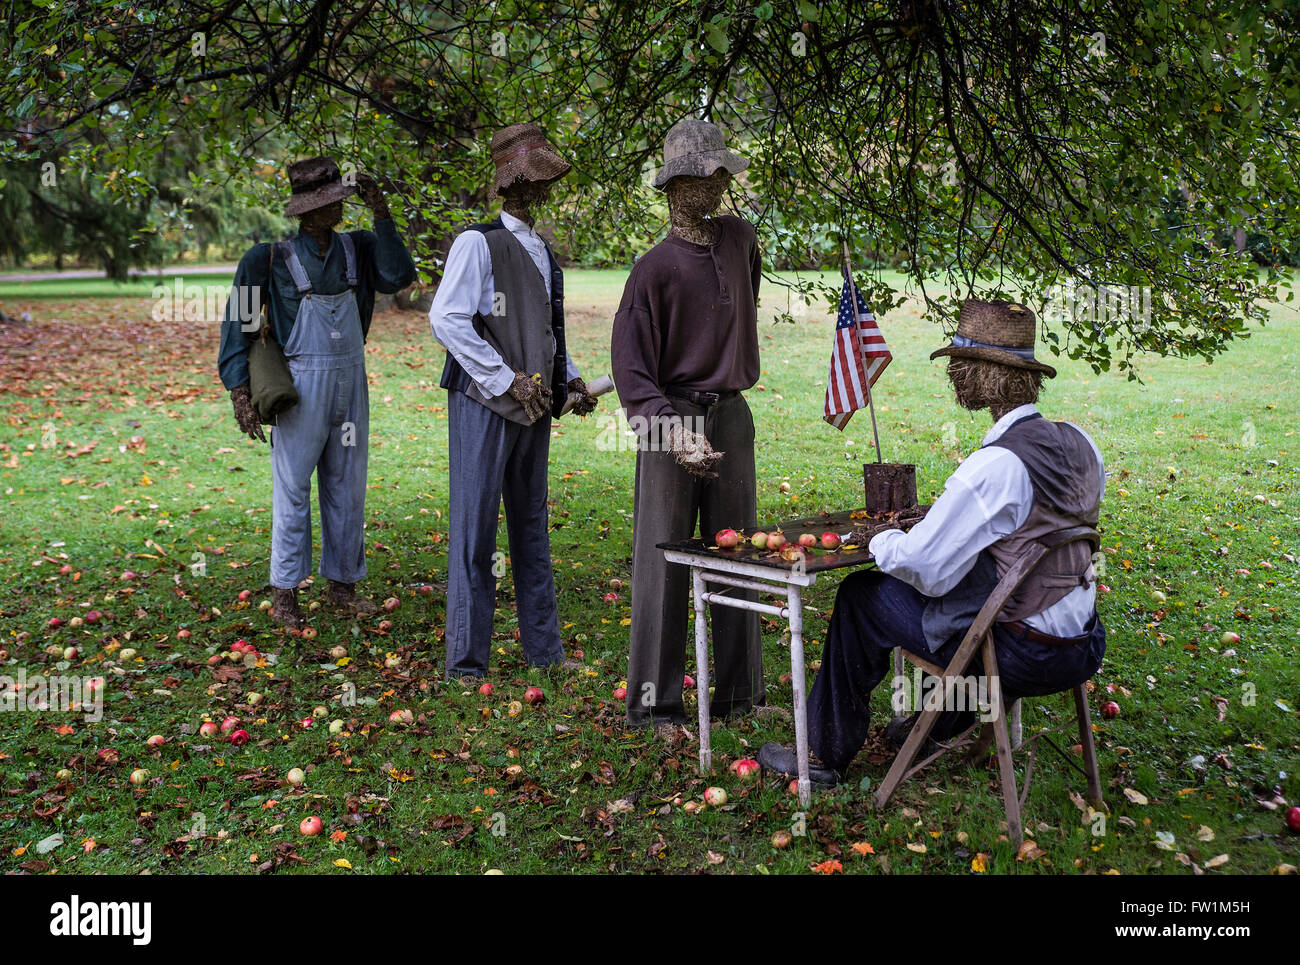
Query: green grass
1201	495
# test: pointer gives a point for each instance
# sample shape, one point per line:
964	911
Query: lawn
119	453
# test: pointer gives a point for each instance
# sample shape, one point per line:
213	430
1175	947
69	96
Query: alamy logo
73	918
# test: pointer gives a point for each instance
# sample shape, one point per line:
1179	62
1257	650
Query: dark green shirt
383	265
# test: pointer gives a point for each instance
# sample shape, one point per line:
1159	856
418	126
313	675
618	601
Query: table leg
795	606
702	670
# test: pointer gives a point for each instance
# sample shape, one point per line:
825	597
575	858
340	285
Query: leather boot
343	596
284	608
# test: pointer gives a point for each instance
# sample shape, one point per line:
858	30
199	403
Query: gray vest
524	327
1064	474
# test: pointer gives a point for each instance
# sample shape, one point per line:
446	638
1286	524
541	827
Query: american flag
858	357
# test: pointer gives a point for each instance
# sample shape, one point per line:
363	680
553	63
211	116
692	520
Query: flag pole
853	293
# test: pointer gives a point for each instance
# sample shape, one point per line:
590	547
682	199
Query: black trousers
873	614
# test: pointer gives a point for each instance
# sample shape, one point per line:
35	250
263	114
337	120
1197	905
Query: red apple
1110	710
239	738
93	616
65	569
241	646
391	604
688	681
129	574
1293	818
306	722
310	827
775	540
157	740
209	729
807	540
229	724
620	693
183	634
245	596
1230	639
107	755
715	796
214	660
486	689
794	786
403	717
424	589
611	597
726	538
745	769
535	696
139	777
831	541
54	623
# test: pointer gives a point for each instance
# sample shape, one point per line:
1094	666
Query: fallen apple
70	653
295	776
831	541
183	634
794	786
620	693
264	605
486	689
65	569
336	727
129	574
392	661
126	654
782	839
610	598
156	740
759	540
215	660
1158	596
402	717
63	774
784	487
54	623
239	738
209	729
746	768
107	755
807	540
514	709
1293	818
93	616
239	646
424	589
616	584
338	651
1110	710
253	699
75	622
1230	639
320	710
688	681
535	696
726	538
715	797
514	770
385	626
309	633
391	604
310	827
139	777
306	722
229	724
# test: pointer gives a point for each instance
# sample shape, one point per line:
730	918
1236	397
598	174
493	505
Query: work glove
241	397
532	395
586	402
691	451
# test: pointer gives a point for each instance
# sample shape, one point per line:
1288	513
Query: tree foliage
1018	148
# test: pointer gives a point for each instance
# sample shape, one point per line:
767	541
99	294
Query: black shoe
783	761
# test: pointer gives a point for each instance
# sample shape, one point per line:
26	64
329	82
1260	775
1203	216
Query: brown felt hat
522	153
315	183
696	149
1002	332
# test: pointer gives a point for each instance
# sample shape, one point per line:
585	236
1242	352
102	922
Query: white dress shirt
988	497
467	287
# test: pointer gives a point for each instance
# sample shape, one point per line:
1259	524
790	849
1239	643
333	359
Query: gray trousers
668	502
491	457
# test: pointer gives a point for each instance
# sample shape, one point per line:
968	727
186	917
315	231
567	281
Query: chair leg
900	668
1089	748
1006	766
903	760
1017	731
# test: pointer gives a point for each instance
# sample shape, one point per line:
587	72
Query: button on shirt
468	287
987	498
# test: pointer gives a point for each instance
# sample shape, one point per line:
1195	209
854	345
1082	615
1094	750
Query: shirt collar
1003	424
517	225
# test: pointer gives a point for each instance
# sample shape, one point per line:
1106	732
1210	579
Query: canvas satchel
270	382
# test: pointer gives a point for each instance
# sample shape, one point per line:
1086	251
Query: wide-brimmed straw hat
1002	332
315	183
696	149
521	152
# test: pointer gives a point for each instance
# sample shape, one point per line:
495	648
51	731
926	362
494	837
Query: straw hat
696	149
521	152
1002	332
315	183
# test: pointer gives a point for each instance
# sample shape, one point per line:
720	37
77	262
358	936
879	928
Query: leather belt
696	396
1037	636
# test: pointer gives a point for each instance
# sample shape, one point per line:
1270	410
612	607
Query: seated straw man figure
1029	478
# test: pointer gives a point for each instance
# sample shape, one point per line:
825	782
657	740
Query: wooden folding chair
980	638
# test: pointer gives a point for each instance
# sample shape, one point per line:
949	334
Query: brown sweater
688	319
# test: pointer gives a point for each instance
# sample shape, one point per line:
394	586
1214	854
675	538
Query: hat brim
300	204
541	163
699	166
985	354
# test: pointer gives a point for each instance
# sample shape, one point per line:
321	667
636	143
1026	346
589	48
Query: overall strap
350	259
299	273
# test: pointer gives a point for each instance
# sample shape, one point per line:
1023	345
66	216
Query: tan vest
1066	478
